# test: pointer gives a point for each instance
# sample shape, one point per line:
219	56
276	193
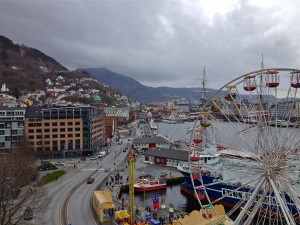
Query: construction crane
131	187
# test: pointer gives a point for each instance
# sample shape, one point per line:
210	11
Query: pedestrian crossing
92	169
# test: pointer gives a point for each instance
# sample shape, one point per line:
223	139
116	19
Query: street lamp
114	159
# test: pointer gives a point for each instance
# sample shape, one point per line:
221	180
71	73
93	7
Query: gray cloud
159	43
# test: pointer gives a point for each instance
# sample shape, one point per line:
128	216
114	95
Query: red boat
149	184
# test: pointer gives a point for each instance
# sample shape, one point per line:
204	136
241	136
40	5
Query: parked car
94	157
102	154
146	175
163	174
28	214
90	180
59	163
107	169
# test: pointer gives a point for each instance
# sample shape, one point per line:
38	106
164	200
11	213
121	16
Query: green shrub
51	177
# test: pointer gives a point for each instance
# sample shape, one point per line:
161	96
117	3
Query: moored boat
149	184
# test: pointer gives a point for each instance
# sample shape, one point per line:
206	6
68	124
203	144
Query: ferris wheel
245	150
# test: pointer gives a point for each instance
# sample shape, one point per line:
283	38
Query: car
94	157
28	214
59	163
107	169
163	174
146	175
90	180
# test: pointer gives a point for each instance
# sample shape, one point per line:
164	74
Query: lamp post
114	159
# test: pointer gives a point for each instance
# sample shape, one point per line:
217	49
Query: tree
16	192
4	55
16	93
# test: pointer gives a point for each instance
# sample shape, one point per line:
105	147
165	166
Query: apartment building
64	131
11	127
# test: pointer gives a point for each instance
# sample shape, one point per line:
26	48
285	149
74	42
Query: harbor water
171	196
227	131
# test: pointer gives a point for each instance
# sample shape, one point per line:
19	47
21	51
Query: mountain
140	92
25	69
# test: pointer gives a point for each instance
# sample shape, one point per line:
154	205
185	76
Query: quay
173	176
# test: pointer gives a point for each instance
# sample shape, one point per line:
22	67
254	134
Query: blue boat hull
231	194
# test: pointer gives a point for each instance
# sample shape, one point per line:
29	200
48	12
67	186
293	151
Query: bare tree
16	190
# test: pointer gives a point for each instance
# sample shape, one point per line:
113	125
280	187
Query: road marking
90	169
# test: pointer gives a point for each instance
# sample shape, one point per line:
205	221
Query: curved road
78	206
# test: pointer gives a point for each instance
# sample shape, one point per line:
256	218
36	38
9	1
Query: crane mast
131	187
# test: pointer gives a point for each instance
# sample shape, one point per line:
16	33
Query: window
47	136
70	135
54	124
39	136
77	135
62	129
70	123
39	130
31	137
77	123
62	124
47	130
54	136
47	142
77	144
77	129
70	129
54	143
30	131
54	130
47	124
62	135
62	144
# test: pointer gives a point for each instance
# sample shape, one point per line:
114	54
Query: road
79	211
78	207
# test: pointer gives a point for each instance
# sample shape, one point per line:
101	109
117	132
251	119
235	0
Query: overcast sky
160	42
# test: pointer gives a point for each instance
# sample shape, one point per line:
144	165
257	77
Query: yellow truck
103	205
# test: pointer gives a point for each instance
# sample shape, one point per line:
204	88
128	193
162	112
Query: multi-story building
182	105
122	114
64	131
296	111
11	127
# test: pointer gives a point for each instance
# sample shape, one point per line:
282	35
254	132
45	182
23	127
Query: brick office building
64	131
